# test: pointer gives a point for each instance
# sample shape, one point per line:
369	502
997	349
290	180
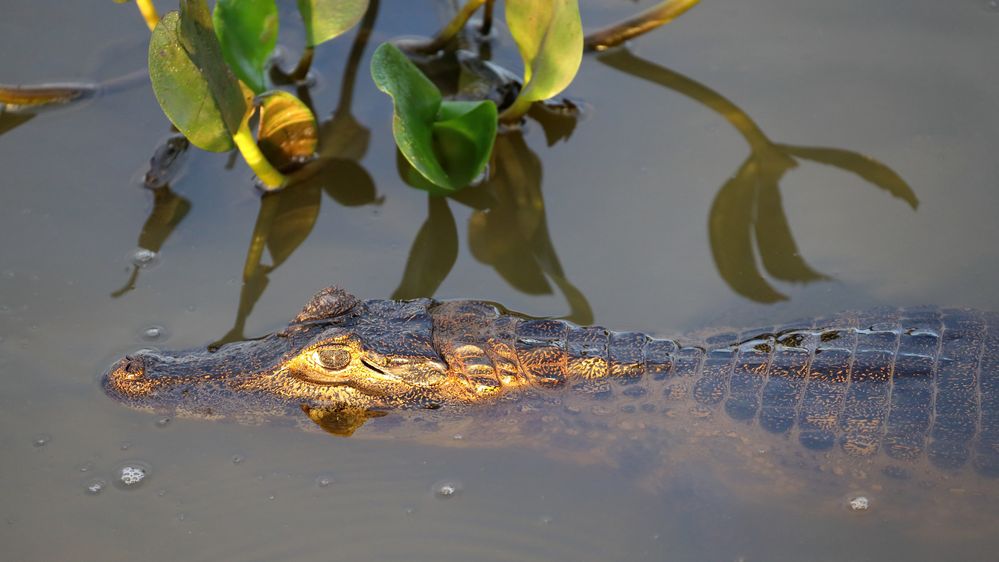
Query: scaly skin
902	384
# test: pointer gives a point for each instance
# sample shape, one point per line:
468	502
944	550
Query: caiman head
340	360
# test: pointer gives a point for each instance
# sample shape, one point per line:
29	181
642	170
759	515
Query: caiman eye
334	359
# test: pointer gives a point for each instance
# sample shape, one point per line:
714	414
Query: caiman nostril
132	367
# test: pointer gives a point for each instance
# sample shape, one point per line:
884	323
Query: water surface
608	220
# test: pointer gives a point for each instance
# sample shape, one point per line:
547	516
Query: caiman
905	392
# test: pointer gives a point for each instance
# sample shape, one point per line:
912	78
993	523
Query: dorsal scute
327	304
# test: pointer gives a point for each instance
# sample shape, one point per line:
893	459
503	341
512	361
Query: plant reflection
169	209
508	230
747	210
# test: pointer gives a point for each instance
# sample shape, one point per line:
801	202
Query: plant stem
640	23
354	58
302	68
148	13
450	30
272	179
516	111
487	18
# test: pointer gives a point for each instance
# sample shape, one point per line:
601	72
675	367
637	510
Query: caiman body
890	388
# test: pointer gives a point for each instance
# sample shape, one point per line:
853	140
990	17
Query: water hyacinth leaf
195	89
549	35
325	19
463	137
447	142
288	131
247	31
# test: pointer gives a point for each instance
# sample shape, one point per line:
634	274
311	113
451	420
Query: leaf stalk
450	30
149	13
272	179
643	22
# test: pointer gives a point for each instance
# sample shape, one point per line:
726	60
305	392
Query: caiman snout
127	377
131	367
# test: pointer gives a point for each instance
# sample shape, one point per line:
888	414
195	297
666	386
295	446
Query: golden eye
333	358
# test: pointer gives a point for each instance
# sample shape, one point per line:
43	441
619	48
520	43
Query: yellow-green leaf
194	87
549	35
325	19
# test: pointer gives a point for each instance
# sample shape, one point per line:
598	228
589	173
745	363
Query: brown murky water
716	179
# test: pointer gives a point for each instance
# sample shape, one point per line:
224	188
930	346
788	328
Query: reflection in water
747	210
169	209
508	230
10	121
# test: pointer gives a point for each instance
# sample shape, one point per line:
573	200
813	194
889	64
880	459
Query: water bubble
163	422
41	440
447	489
125	445
324	481
96	486
132	474
144	258
271	497
859	503
236	459
161	492
85	467
410	510
154	333
546	520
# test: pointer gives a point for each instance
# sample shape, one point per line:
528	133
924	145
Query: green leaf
448	142
288	132
194	87
549	35
247	30
325	19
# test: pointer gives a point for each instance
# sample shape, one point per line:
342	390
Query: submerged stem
640	23
148	13
450	30
272	179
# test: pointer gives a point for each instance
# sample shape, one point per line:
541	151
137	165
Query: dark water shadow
747	224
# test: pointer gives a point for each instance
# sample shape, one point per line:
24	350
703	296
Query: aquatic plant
210	73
